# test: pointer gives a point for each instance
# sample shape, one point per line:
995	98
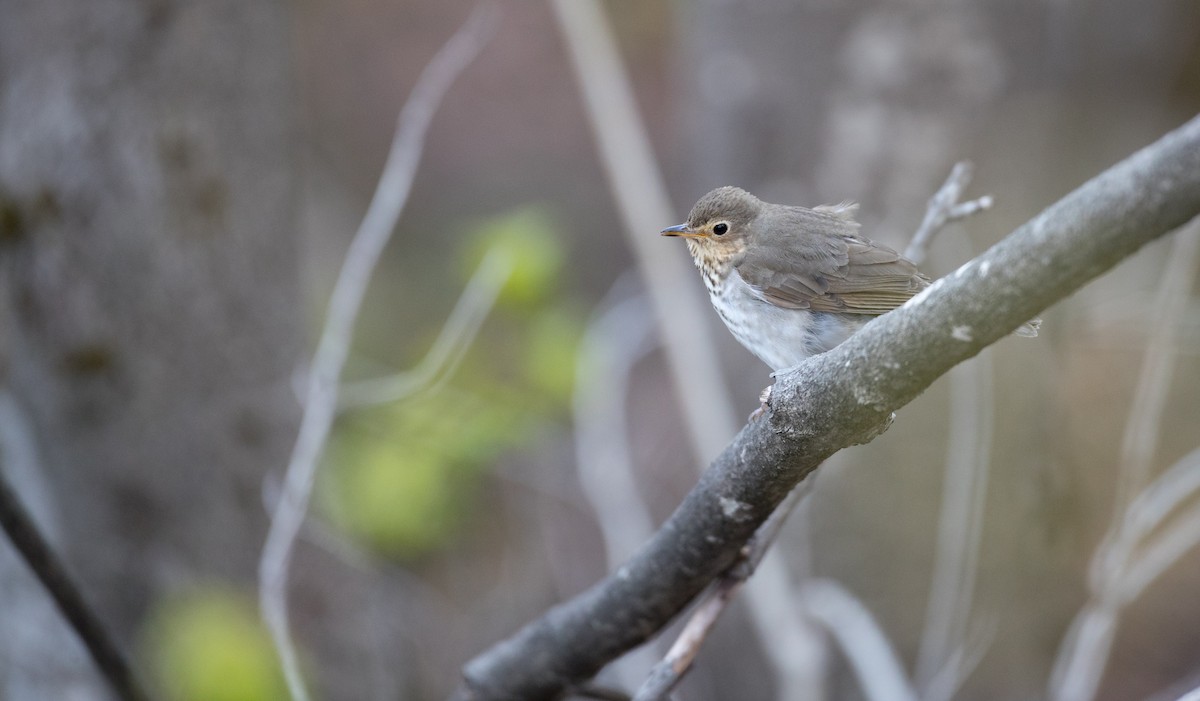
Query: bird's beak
681	230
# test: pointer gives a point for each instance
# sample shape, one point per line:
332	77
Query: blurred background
179	182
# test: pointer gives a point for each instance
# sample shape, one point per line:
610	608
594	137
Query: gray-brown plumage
790	282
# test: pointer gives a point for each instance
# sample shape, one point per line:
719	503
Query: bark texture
150	300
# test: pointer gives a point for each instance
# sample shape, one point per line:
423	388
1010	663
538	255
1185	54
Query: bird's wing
816	260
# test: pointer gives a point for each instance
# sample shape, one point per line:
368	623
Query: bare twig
1120	574
645	208
320	403
615	340
874	661
1140	438
619	334
668	673
960	525
943	208
451	345
1085	650
845	397
25	536
675	665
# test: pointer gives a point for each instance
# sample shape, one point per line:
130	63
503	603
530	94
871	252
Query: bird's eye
721	228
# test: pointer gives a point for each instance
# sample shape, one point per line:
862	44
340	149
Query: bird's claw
763	398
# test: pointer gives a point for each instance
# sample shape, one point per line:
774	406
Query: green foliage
404	475
404	478
527	236
549	360
210	645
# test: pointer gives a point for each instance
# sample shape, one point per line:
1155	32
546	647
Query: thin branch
675	665
872	657
1119	575
619	334
943	208
960	527
1116	577
1140	439
615	340
448	350
50	571
668	673
645	208
321	394
1159	554
844	397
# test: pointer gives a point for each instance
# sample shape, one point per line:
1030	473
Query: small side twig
678	660
448	350
943	208
37	553
867	649
321	393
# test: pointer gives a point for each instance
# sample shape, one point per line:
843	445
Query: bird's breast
780	337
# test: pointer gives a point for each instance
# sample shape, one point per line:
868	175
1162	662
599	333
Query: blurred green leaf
210	645
527	235
550	354
399	499
405	475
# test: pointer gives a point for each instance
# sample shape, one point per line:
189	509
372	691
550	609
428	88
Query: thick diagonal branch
842	398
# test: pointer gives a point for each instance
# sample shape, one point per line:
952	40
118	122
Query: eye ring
720	228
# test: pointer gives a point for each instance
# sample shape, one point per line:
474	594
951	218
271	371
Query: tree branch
842	398
36	551
321	390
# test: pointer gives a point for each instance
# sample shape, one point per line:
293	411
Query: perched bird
792	282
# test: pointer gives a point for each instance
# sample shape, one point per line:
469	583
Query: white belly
780	337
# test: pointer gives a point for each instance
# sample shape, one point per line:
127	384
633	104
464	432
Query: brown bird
792	282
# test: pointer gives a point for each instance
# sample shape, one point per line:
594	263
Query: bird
791	282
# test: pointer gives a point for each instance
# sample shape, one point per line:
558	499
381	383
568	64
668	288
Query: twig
1084	652
321	395
1120	574
1140	438
875	663
668	673
619	334
642	200
846	397
49	569
615	340
960	522
943	208
448	350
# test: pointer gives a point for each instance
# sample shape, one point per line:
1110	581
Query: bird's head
720	220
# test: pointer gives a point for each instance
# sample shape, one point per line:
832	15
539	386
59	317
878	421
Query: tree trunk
150	307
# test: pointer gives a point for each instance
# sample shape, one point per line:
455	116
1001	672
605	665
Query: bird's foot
763	398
